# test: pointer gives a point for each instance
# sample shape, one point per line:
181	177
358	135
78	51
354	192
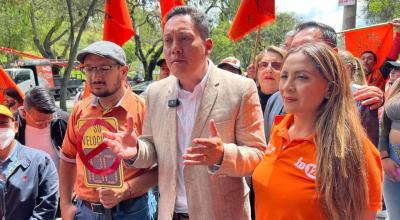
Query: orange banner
117	22
252	14
166	6
5	83
46	73
377	39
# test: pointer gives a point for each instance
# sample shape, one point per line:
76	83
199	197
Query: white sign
347	2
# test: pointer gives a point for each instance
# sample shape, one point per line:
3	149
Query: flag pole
353	29
255	49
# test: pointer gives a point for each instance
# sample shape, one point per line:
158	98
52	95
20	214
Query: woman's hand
389	167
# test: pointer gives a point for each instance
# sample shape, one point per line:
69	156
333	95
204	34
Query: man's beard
107	93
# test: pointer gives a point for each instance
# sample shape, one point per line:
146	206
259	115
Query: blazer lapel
207	103
170	120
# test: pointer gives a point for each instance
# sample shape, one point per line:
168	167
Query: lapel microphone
173	103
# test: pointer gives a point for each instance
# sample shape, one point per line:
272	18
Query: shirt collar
282	128
13	156
123	102
198	88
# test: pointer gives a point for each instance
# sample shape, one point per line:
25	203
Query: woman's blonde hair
357	72
341	177
272	48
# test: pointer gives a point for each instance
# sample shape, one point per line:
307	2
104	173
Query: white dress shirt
186	116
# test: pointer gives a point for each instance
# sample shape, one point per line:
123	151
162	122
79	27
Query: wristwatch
130	161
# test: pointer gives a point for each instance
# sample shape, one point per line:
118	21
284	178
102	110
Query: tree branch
36	39
153	47
65	32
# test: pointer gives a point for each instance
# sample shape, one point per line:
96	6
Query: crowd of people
307	132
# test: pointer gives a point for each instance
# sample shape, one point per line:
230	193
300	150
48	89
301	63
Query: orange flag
117	22
377	39
5	83
86	92
166	6
252	14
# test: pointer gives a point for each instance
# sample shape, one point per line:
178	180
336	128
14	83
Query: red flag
252	14
117	22
377	39
166	6
5	83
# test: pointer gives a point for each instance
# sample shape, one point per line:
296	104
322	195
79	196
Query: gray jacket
273	108
31	190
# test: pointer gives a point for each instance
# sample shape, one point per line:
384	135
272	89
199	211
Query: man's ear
124	71
209	45
23	112
16	126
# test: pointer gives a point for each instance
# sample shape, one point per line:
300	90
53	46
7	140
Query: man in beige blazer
203	127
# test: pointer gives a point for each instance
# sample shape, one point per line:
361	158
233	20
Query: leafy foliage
243	50
378	11
55	29
14	22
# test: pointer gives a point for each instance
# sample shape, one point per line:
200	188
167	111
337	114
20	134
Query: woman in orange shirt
319	163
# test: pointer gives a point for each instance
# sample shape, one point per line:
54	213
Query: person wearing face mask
31	179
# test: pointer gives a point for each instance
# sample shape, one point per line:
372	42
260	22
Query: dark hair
198	17
13	93
328	34
371	52
40	99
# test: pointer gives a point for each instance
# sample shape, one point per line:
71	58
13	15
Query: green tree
147	39
378	11
273	34
147	21
15	27
74	40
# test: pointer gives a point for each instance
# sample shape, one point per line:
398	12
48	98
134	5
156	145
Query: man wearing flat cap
28	178
104	64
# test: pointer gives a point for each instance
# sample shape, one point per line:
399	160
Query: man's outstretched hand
123	144
205	151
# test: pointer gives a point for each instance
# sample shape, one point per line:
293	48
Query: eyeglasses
103	69
43	122
274	65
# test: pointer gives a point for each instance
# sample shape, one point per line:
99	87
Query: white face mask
6	136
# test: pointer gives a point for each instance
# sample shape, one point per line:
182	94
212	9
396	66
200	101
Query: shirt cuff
213	168
129	162
67	159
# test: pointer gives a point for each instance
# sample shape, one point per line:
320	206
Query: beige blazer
232	101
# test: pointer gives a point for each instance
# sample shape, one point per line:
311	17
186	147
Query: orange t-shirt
129	105
375	78
284	182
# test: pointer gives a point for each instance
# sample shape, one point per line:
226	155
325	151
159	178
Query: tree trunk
73	49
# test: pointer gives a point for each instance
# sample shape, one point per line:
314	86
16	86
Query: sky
325	11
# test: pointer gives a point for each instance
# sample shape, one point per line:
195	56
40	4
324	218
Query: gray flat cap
105	49
394	64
